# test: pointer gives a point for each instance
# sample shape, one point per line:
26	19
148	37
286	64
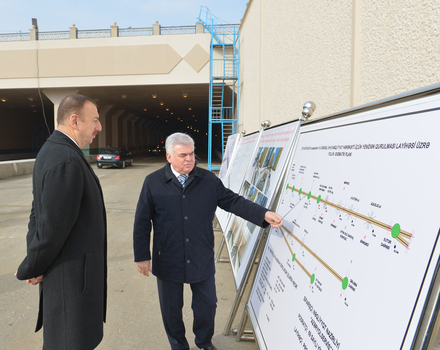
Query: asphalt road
133	315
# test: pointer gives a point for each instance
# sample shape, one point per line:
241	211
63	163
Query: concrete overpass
147	83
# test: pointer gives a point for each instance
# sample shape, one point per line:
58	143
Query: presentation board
352	264
228	155
260	183
237	170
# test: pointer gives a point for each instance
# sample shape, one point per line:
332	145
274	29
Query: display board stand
307	111
429	325
242	333
230	151
217	226
218	258
356	263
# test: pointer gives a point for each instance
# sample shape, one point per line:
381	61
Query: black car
118	157
157	151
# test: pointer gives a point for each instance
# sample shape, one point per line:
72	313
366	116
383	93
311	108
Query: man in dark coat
67	238
183	243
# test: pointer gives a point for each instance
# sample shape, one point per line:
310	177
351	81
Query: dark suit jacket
183	243
67	243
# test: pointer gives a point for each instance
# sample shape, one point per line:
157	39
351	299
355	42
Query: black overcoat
67	243
183	240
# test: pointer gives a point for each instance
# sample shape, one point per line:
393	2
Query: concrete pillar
199	28
114	30
115	127
56	96
156	28
125	128
133	121
148	141
102	136
141	133
33	33
73	32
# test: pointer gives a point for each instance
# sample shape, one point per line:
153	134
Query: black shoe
210	347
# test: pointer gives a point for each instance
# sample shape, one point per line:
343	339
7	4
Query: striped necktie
182	179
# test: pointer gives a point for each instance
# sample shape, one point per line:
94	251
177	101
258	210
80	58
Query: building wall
338	54
250	63
156	59
400	47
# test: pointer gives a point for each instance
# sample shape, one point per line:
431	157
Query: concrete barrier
16	167
24	167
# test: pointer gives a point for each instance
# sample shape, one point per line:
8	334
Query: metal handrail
96	33
135	31
15	37
220	29
53	35
178	30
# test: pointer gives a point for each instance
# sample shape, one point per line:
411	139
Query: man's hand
33	281
273	219
144	267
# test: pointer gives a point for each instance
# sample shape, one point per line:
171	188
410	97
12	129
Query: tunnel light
153	96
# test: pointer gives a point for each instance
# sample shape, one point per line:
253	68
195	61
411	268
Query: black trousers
204	304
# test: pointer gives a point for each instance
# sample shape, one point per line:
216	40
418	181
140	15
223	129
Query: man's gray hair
180	139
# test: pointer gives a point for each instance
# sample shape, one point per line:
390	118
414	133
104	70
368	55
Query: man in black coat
67	237
182	212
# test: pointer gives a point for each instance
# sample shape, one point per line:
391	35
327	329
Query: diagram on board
261	180
235	175
351	256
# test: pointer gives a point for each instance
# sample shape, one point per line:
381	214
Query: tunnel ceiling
170	111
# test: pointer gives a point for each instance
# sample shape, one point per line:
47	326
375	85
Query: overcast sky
58	15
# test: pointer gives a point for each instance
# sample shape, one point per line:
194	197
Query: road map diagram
349	267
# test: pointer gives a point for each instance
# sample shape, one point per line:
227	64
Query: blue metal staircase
223	83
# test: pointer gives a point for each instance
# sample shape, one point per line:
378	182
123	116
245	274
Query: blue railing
223	72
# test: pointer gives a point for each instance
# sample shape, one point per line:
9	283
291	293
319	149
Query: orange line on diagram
396	232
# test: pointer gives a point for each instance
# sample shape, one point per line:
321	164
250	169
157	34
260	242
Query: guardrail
115	31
